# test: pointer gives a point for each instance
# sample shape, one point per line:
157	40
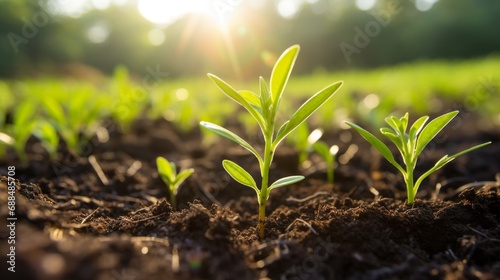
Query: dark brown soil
70	225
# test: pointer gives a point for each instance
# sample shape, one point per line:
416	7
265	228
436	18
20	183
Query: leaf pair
243	177
168	173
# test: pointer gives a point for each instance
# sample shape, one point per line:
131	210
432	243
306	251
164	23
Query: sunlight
288	8
163	12
71	8
365	5
425	5
156	36
98	33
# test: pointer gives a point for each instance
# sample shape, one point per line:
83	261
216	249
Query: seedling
411	144
128	99
168	173
20	130
48	136
264	108
303	140
76	122
328	154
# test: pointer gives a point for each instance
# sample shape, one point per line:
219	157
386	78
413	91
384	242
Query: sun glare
166	12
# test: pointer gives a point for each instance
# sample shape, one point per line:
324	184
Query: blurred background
235	38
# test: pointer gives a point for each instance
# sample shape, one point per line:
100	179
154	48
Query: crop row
76	109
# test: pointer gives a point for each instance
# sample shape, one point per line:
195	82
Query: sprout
411	144
20	130
76	122
264	107
168	173
303	140
328	154
48	136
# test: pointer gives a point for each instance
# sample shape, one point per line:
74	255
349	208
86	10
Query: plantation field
81	158
368	95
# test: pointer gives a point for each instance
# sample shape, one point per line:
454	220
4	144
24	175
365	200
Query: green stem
409	184
329	171
264	192
172	199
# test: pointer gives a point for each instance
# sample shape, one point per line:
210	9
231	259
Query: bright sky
166	12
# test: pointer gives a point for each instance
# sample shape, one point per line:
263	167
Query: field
91	205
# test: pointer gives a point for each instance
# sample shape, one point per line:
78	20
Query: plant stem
172	200
409	184
329	171
264	192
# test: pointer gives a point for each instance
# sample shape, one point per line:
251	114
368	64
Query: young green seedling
328	154
168	173
20	130
303	140
48	136
411	144
264	108
77	121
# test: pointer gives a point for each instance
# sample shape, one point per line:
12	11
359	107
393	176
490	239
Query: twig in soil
483	235
134	168
90	215
205	192
373	190
450	252
151	239
122	198
278	253
467	186
304	222
175	259
300	200
93	161
145	219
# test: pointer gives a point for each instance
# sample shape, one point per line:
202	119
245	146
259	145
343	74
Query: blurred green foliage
35	41
78	108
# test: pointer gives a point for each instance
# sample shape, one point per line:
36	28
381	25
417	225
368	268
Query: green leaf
379	145
403	123
432	129
280	74
231	136
470	150
54	110
233	94
166	170
77	109
23	115
181	177
393	137
250	97
286	181
309	107
417	127
322	149
442	162
281	130
393	122
239	174
48	136
265	99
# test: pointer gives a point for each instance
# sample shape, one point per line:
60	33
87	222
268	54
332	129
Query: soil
71	224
